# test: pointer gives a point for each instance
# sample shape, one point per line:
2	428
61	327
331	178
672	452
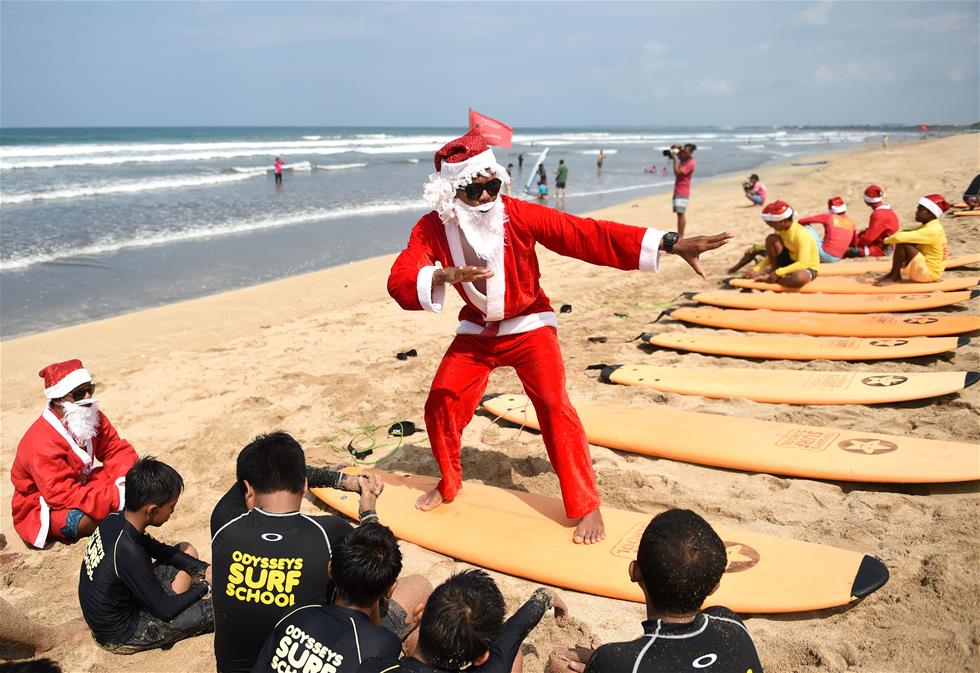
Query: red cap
777	211
63	377
935	204
461	149
874	194
836	205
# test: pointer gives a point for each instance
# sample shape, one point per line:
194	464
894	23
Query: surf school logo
888	343
869	446
741	556
921	321
884	380
629	543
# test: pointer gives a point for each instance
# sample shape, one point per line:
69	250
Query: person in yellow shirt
792	256
921	252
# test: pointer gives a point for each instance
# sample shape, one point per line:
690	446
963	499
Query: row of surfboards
528	535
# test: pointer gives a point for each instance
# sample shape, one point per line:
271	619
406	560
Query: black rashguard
716	641
502	653
264	566
117	580
325	638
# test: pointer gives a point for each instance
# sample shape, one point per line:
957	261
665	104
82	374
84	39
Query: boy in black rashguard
268	557
463	626
364	569
130	604
679	563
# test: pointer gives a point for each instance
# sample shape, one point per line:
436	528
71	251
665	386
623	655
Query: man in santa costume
59	492
483	244
883	223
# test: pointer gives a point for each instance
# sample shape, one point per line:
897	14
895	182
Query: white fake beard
483	226
82	420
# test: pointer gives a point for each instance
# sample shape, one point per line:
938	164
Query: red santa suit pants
459	385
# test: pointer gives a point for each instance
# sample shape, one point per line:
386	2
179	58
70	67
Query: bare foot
590	529
887	279
429	500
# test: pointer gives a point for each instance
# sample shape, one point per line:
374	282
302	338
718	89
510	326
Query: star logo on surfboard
869	446
740	556
889	342
884	380
923	320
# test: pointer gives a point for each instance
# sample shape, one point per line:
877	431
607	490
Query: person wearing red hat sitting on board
883	223
792	254
59	491
838	230
920	252
483	244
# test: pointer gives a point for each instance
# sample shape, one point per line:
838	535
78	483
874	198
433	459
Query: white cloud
717	87
948	22
654	57
869	72
816	14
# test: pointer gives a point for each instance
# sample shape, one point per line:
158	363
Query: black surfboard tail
871	576
607	372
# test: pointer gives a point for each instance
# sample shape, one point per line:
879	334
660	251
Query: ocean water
98	222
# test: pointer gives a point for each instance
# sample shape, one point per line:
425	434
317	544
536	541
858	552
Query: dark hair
35	666
681	559
690	147
753	177
151	482
271	463
366	564
462	618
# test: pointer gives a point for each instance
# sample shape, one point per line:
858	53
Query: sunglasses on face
475	190
81	391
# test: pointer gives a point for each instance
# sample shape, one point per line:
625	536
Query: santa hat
63	377
874	194
457	163
935	204
777	211
836	205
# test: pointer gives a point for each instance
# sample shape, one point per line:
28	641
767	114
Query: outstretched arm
690	249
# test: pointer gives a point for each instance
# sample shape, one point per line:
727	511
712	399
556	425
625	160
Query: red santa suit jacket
883	223
514	301
51	471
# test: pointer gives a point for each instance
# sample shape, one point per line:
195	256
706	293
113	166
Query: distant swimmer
838	230
484	244
882	224
561	179
599	161
520	162
278	164
792	258
542	183
921	252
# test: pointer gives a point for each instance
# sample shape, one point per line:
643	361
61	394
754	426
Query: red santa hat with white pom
777	211
836	205
935	204
874	194
63	377
457	163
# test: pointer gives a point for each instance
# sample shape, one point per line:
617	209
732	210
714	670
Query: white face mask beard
483	226
82	418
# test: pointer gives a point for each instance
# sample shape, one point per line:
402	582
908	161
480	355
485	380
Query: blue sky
529	64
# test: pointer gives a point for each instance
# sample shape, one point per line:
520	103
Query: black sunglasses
474	190
81	391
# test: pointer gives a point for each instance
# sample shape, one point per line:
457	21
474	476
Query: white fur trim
440	191
85	456
650	250
121	487
496	284
432	299
68	384
877	199
837	210
931	206
516	325
778	218
884	206
42	532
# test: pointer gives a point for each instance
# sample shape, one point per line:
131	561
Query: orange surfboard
827	324
884	264
527	535
850	285
762	446
798	347
966	213
832	303
792	386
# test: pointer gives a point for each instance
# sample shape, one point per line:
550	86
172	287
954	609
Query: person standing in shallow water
483	244
277	165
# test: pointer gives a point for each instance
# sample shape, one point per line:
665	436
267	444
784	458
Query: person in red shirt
683	160
59	492
882	224
838	230
277	165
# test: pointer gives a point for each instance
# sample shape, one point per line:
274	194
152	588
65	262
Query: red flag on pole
494	132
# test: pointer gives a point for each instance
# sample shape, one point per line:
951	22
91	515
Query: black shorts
154	633
559	185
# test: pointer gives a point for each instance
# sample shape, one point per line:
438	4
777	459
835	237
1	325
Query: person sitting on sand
269	558
364	568
920	252
484	245
59	492
462	625
791	257
838	230
130	603
971	197
883	223
679	563
755	191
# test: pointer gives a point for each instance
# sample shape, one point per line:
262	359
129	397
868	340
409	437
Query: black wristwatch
669	240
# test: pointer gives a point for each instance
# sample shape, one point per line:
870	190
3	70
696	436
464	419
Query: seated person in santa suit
60	493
